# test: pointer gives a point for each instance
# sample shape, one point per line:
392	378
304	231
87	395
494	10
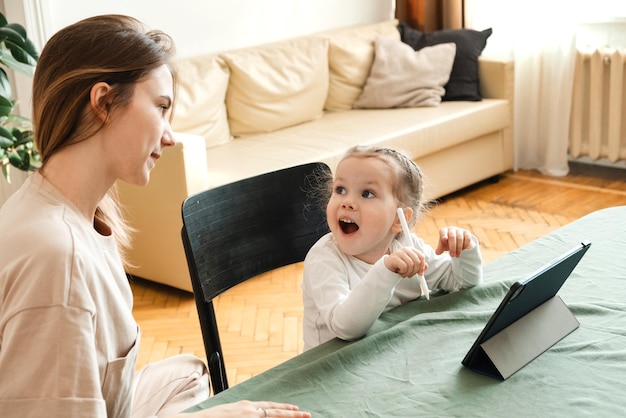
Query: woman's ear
99	100
408	214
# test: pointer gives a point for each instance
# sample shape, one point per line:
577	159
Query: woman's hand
243	409
454	240
407	262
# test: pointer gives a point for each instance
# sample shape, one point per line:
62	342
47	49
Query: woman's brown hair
114	49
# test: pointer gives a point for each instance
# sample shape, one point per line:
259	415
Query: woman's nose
168	139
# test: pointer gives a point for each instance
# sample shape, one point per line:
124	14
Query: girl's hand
407	262
454	240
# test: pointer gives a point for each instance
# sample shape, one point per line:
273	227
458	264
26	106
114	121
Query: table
409	364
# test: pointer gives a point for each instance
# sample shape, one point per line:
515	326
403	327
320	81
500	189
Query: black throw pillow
464	82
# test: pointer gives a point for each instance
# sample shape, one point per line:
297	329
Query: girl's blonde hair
408	185
114	49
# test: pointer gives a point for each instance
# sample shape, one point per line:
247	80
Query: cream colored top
68	340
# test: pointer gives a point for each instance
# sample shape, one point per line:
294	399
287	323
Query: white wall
197	26
205	26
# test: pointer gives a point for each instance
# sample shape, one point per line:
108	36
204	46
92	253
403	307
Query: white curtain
540	36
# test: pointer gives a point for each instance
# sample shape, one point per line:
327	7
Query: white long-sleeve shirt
343	296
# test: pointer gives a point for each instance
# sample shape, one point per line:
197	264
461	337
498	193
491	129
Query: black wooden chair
237	231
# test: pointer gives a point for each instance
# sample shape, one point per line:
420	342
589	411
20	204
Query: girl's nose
347	205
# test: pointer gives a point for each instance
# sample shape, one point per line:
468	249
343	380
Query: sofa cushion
402	77
464	82
350	58
277	85
418	131
200	107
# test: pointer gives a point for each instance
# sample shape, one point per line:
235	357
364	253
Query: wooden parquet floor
261	320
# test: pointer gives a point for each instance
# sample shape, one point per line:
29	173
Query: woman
102	98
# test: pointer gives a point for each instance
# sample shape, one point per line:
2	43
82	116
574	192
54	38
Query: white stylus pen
407	243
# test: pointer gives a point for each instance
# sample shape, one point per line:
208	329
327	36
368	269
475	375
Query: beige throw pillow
276	85
350	57
200	102
350	60
402	77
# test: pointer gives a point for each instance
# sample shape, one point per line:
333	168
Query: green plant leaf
20	53
5	85
14	37
17	121
17	134
17	28
31	50
6	106
17	53
5	142
5	133
9	34
8	60
20	159
23	138
22	41
5	171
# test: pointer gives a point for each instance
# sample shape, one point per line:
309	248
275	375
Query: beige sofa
246	112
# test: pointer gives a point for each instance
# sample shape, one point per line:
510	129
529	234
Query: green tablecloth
409	364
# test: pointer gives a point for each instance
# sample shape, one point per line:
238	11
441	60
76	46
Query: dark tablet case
530	319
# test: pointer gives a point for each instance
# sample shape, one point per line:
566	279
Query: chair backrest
237	231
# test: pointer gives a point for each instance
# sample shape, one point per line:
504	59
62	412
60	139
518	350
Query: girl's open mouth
348	226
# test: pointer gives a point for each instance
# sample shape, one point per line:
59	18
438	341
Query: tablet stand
524	340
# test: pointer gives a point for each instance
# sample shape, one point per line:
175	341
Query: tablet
523	297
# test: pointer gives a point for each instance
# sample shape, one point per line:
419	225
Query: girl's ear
99	100
408	214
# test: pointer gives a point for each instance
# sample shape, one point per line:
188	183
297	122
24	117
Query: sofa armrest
496	78
497	81
191	151
154	211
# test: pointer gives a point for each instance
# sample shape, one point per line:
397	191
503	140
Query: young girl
102	97
360	269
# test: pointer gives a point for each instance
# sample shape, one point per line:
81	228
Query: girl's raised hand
454	240
407	262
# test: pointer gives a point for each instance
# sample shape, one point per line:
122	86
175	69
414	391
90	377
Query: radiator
598	113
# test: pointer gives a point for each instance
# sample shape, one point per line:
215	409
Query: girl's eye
368	194
340	190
